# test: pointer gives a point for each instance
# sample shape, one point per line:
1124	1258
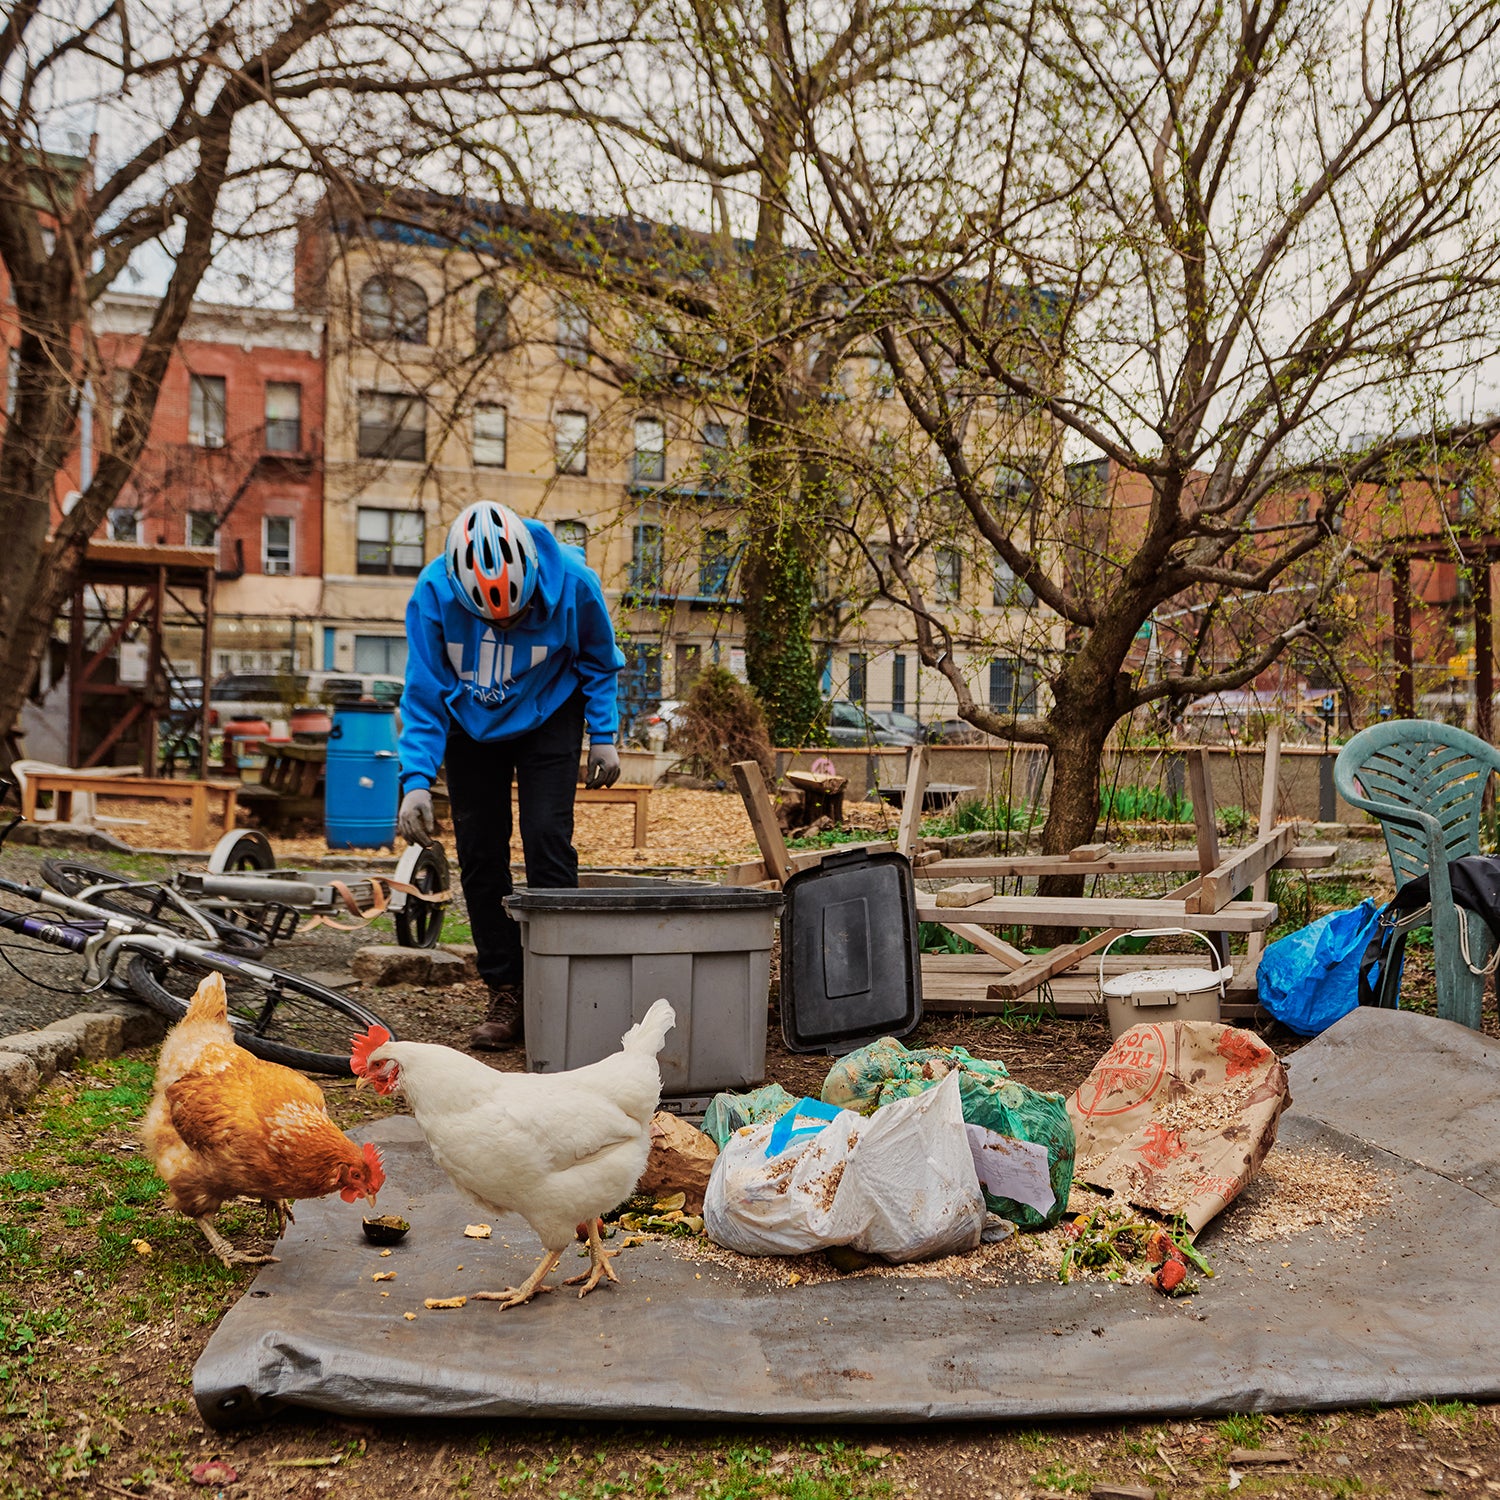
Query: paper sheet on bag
1011	1169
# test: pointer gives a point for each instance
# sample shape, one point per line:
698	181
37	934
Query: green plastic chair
1425	782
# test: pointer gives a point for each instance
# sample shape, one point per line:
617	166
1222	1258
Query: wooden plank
1121	862
968	894
1206	829
753	872
1108	911
1087	853
985	941
1270	779
1221	885
757	799
1043	967
910	826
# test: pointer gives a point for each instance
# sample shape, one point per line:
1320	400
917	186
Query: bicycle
277	1015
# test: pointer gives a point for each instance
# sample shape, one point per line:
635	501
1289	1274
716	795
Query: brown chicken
223	1124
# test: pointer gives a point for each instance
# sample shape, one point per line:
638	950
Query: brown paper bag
1176	1118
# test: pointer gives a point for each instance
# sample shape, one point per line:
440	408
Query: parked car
898	723
272	695
849	724
954	732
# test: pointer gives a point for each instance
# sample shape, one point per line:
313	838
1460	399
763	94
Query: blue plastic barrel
361	785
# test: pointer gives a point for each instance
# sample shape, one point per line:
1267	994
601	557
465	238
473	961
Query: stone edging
31	1059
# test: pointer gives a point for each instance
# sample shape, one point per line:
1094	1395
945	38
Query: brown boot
504	1022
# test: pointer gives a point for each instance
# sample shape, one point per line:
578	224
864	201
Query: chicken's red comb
377	1167
362	1046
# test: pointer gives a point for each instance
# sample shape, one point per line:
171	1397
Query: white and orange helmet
492	562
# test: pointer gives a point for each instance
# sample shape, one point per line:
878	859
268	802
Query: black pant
545	765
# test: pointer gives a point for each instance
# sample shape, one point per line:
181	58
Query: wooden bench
62	784
289	786
623	796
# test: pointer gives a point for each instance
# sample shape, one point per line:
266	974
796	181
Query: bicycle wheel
146	901
278	1016
419	923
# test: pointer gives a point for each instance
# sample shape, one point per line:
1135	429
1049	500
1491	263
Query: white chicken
557	1148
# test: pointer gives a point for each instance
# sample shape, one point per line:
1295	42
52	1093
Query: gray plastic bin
597	958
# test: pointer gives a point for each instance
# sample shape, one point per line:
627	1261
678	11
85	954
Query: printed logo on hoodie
495	666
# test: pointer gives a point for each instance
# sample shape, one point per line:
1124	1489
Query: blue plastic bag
1310	979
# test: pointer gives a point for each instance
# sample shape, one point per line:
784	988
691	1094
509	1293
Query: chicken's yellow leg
514	1296
599	1263
224	1250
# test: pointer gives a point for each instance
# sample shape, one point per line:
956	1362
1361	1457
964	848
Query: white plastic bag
900	1184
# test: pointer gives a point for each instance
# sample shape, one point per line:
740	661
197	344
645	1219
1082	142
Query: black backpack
1475	882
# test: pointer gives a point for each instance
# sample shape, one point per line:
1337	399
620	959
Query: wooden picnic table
638	797
289	787
62	784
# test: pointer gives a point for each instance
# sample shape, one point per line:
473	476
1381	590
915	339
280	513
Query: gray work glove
604	767
416	821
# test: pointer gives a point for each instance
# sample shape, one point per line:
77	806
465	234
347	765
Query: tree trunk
776	583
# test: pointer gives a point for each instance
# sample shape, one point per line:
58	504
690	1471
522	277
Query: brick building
234	462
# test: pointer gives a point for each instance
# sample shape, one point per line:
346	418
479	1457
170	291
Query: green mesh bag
730	1112
885	1070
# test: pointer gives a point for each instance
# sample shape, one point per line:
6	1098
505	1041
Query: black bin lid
647	896
851	969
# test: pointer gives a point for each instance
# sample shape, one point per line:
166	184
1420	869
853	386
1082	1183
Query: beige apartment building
452	376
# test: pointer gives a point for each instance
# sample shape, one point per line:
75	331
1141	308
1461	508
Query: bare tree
1218	247
210	128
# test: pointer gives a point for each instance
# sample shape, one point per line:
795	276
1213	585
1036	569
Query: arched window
393	307
491	320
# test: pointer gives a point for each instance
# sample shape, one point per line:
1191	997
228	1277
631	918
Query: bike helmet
492	562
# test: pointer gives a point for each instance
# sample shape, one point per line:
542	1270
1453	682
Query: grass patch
983	815
1426	1415
1143	804
1064	1479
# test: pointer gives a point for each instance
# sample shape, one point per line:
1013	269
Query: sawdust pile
1299	1189
1194	1113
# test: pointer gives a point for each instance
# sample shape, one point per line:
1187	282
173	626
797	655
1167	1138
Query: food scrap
384	1276
477	1231
141	1247
1114	1240
432	1303
410	1317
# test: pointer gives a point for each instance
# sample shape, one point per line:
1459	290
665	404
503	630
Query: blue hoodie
497	684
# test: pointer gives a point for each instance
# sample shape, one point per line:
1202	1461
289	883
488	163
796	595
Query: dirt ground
686	828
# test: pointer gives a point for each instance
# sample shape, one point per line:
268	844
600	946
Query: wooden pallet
961	982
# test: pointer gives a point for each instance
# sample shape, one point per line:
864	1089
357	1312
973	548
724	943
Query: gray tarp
1407	1308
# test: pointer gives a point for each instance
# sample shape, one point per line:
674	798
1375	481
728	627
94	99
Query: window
491	320
206	407
392	426
571	534
390	542
950	575
380	653
1010	591
646	559
859	671
1012	485
202	528
715	447
572	332
1012	686
570	440
277	553
119	394
125	524
650	450
715	559
489	436
283	416
393	307
898	683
